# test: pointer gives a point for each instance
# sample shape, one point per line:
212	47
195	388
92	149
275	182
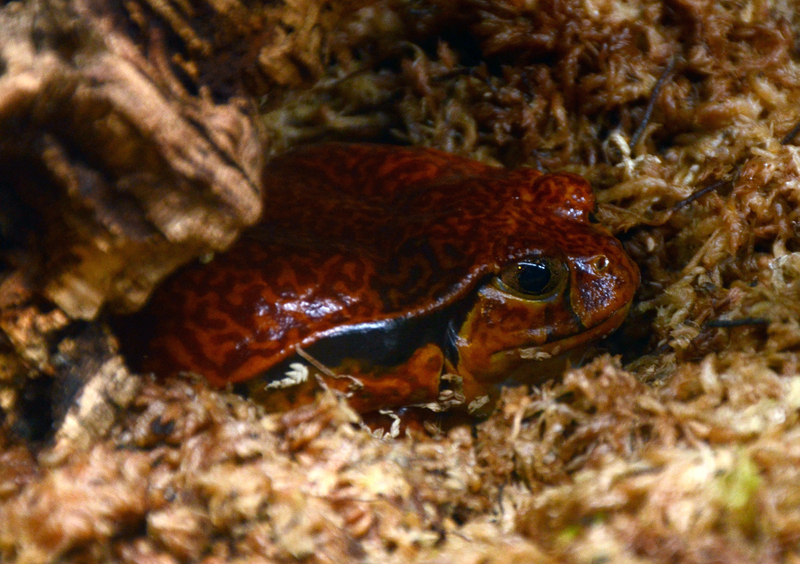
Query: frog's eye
533	278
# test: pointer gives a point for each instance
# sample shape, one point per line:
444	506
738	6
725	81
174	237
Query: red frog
422	276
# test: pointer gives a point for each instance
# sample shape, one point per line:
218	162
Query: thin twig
789	137
741	322
700	193
652	103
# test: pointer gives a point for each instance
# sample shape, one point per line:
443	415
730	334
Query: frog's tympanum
418	274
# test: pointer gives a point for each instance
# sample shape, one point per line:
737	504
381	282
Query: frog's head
553	289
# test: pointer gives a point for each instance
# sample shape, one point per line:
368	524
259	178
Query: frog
397	276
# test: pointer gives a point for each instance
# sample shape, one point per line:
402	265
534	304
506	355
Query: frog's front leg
368	387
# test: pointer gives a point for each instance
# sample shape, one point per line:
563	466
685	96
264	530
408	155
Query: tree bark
112	172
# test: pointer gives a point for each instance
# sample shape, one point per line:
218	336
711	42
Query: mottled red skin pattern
366	233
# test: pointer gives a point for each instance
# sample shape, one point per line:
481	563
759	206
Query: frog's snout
602	284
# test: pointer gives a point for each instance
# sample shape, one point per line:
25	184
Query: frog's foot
366	387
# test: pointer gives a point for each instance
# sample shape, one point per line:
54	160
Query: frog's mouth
568	344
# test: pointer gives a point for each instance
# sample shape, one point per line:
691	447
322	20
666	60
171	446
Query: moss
686	445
